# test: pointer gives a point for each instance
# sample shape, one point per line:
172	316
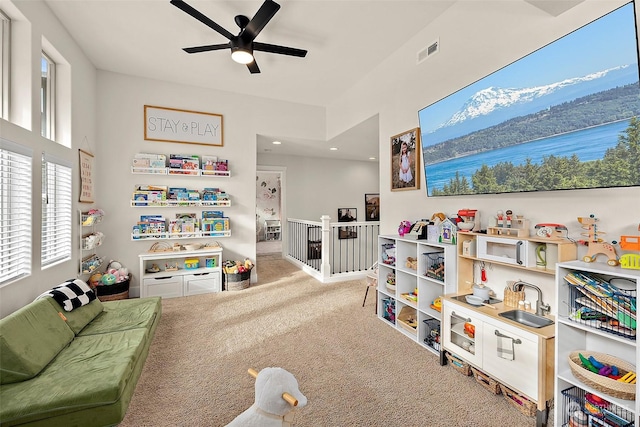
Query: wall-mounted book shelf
180	172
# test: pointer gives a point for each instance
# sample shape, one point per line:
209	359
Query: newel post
325	267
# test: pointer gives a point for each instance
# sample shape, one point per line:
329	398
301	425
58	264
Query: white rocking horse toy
276	394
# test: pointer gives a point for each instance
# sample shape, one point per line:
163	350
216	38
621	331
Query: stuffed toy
275	396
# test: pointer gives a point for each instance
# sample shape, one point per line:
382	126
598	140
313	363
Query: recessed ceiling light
372	158
333	148
276	142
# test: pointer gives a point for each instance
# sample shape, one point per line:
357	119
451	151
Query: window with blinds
56	211
15	211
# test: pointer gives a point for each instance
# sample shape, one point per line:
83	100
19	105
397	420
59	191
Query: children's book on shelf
184	164
144	162
149	195
212	214
211	165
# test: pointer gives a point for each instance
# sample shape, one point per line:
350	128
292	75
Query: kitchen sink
527	319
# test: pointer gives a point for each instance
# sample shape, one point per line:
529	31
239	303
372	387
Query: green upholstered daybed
73	368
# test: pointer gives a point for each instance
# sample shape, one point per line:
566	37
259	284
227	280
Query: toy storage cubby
584	335
422	271
89	241
177	274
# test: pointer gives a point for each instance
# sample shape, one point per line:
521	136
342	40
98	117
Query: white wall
319	186
34	21
120	130
473	44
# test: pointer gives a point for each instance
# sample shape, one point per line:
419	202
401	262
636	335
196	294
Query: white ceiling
145	38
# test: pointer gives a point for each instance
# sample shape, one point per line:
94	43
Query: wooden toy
630	243
596	245
508	224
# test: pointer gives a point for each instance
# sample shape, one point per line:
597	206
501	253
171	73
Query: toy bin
114	292
459	365
237	281
486	381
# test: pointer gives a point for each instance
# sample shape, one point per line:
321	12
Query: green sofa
73	368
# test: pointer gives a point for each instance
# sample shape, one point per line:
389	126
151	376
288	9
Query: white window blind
56	211
15	211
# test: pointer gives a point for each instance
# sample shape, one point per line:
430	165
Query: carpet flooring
354	369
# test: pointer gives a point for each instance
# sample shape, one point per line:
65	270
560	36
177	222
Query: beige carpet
354	369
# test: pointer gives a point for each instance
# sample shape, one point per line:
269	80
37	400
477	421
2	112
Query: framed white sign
189	127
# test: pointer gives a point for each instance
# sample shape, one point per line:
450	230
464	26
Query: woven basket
237	281
114	292
521	403
601	383
459	365
511	298
486	381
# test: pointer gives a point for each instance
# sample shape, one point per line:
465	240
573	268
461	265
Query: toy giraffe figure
596	245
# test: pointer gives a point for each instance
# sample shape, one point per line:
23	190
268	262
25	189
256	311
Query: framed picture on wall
405	158
347	214
347	233
372	207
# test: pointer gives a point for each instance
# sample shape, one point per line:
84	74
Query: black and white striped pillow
72	294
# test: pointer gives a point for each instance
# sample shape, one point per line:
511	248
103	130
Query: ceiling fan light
242	56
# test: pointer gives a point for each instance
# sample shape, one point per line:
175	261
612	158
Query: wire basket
577	404
434	265
432	333
597	303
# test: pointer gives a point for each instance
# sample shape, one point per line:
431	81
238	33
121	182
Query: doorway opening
270	217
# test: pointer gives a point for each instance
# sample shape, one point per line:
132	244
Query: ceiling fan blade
282	50
200	17
207	48
253	67
260	19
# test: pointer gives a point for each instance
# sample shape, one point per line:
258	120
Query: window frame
16	202
5	64
48	97
56	237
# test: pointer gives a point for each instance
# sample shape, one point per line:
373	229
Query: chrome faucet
541	307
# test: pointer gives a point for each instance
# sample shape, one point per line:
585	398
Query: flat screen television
566	116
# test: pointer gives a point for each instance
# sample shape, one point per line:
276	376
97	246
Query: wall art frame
87	194
184	126
405	162
372	206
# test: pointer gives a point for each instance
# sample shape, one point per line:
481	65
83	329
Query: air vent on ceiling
428	51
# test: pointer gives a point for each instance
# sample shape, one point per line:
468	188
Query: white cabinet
510	355
609	335
519	357
202	283
462	333
422	271
176	276
162	286
272	229
502	249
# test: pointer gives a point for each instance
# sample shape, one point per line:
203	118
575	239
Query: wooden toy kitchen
500	302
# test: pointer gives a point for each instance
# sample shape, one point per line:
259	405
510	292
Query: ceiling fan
242	45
